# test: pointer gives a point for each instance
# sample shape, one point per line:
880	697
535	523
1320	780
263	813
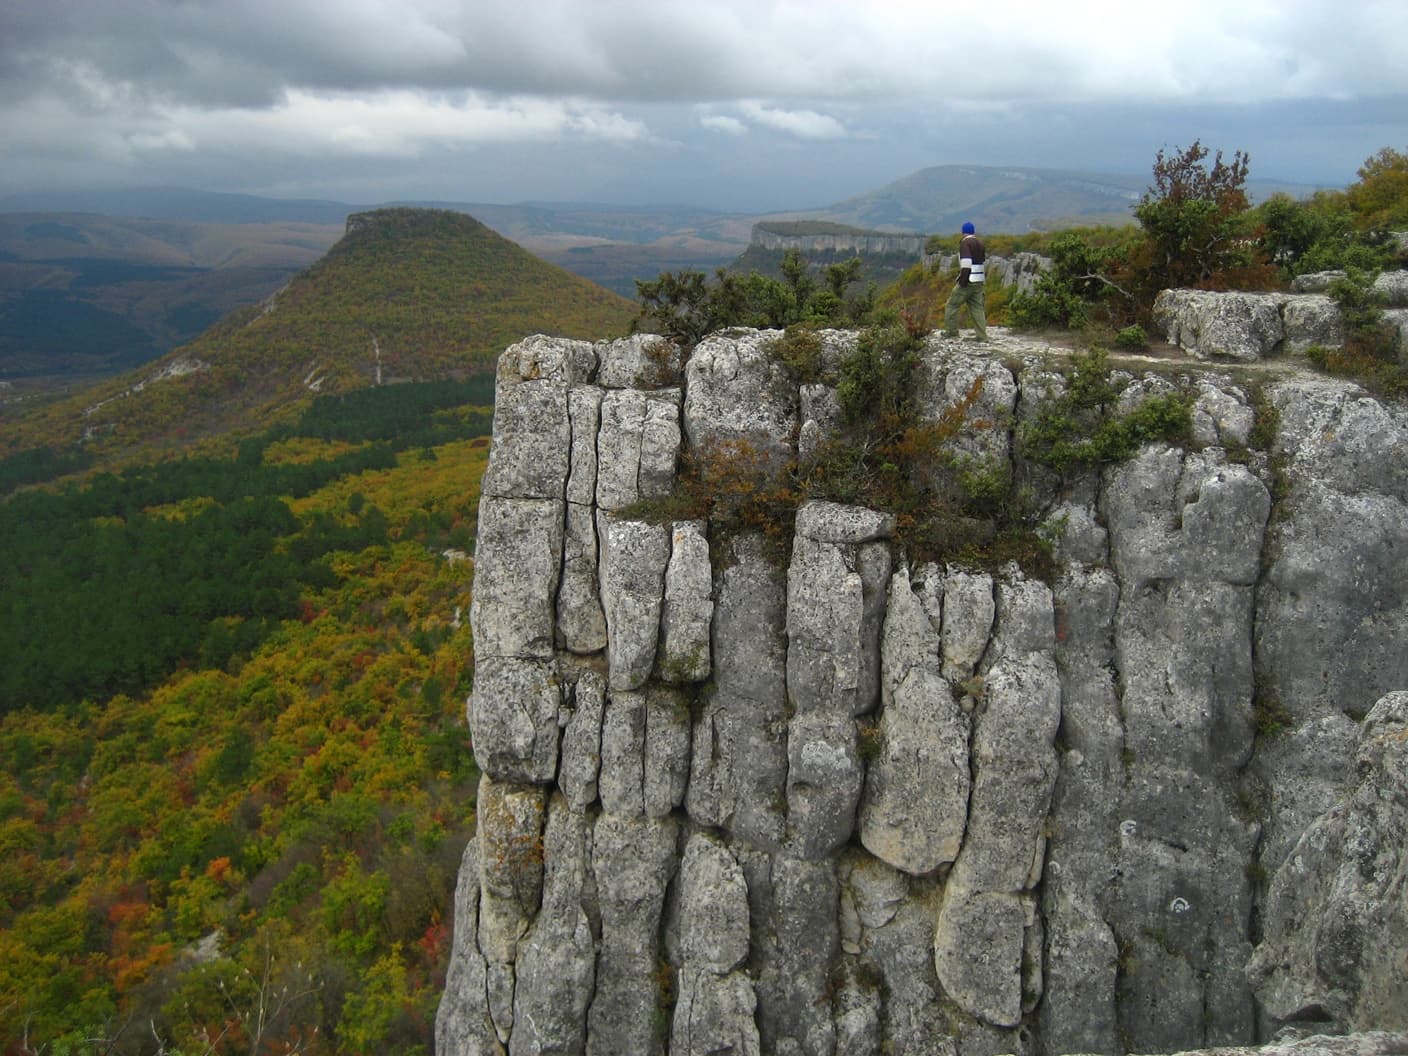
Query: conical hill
406	294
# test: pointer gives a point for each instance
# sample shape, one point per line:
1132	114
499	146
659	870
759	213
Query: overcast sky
732	104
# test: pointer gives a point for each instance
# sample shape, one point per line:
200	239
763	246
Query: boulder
1391	285
836	586
1397	318
514	718
517	568
1237	326
637	445
641	361
735	391
1310	320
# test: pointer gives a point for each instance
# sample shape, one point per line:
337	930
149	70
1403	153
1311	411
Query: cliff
859	804
840	240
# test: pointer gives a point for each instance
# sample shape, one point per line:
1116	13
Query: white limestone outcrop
849	802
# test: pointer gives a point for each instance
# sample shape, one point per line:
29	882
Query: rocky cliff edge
861	804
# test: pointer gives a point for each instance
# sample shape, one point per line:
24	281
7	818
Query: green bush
877	378
1194	219
1133	338
1372	345
1073	288
1319	234
1081	427
1269	715
799	350
686	305
1361	312
1050	304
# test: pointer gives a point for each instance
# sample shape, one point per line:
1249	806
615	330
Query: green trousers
971	297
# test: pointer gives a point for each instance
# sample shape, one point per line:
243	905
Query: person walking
969	290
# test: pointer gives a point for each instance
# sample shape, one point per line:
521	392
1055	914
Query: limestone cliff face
856	241
865	805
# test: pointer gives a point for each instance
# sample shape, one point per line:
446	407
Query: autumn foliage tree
1332	230
1195	223
1195	230
1380	197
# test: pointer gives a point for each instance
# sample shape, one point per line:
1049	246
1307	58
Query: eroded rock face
1368	1043
1333	600
822	798
1336	919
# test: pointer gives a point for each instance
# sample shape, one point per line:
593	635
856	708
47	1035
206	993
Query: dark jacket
972	258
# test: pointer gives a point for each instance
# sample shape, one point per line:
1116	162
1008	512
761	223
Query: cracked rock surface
830	799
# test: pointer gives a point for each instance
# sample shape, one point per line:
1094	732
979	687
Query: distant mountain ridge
1002	199
939	198
59	237
182	203
520	220
924	202
83	294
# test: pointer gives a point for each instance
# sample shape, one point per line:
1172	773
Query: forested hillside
408	294
236	777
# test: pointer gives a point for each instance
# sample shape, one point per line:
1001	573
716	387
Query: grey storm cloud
242	52
152	89
247	53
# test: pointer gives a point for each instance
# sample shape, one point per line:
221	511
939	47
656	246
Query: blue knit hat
968	227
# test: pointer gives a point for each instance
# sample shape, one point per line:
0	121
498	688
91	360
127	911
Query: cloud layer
142	87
